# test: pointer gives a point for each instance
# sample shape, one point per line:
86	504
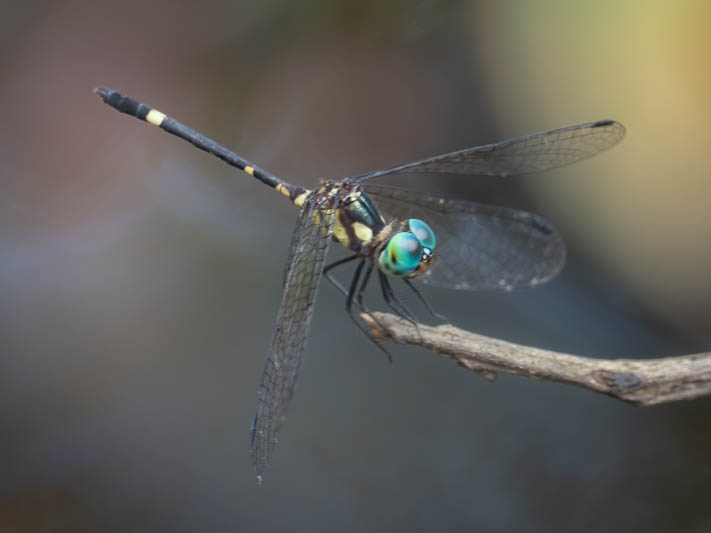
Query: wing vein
307	254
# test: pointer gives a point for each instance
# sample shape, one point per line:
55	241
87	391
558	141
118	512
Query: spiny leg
355	318
359	300
346	293
424	301
333	280
349	299
363	285
396	305
354	286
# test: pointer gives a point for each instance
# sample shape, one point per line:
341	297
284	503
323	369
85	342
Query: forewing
532	153
478	246
307	254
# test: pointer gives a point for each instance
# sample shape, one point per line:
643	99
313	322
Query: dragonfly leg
363	284
359	299
396	305
352	313
333	281
424	300
349	294
354	284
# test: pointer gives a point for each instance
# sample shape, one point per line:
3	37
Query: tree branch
638	381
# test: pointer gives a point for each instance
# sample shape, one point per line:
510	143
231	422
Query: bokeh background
141	278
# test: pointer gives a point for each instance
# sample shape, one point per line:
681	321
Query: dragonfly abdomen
141	111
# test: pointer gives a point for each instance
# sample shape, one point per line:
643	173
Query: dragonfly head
408	253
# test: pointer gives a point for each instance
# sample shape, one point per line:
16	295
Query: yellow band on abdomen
155	117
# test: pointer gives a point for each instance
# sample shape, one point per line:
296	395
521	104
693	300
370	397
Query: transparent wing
478	246
307	254
532	153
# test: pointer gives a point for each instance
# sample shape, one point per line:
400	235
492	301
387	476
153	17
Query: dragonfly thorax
359	225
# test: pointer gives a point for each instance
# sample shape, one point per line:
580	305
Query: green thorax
358	224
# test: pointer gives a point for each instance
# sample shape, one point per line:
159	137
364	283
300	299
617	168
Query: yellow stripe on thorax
340	233
363	232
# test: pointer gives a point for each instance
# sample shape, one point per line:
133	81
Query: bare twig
638	381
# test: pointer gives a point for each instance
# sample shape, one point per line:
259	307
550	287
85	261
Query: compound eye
401	255
423	232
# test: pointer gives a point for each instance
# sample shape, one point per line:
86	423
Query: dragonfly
391	232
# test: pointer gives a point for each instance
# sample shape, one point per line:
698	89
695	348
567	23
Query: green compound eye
401	256
423	232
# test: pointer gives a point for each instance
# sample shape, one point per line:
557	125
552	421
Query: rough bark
638	381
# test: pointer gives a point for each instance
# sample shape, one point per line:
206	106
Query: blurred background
141	277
